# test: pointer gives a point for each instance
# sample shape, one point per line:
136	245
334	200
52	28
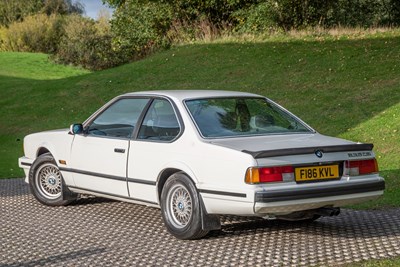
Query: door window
119	119
160	122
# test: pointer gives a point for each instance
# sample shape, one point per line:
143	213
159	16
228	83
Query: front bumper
25	163
283	201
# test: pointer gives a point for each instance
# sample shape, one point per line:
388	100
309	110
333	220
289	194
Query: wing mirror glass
76	128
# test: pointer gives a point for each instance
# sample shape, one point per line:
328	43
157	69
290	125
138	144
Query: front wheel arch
46	182
42	151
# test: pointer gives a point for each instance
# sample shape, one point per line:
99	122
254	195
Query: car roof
192	94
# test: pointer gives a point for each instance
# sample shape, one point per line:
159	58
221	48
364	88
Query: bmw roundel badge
319	153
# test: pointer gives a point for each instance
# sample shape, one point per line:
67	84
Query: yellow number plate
316	173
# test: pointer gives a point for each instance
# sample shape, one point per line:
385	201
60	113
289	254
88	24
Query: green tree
36	33
87	43
62	7
140	26
17	10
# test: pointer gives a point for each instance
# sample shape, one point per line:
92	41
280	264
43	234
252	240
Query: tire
181	209
46	182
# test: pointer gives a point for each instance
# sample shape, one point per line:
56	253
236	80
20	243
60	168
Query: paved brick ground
98	232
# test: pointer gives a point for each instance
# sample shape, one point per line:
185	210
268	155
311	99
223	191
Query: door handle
119	150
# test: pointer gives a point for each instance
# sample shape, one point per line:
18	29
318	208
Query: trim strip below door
106	176
100	175
223	193
112	195
140	181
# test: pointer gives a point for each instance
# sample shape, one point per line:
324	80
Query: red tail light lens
360	167
267	175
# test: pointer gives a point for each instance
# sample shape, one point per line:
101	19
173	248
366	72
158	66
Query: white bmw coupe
200	154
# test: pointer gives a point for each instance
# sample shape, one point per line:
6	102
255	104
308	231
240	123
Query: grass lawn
342	87
393	262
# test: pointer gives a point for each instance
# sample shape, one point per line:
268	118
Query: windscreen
229	117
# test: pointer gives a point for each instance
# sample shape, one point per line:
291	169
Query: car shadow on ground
90	200
350	224
60	258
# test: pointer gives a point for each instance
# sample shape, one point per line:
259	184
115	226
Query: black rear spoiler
308	150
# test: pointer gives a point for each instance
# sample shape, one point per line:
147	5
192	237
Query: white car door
99	155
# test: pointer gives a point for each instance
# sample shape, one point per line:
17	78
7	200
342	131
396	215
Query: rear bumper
318	192
287	200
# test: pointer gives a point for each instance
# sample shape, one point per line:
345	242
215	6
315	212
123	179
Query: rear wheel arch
203	222
163	177
181	207
171	169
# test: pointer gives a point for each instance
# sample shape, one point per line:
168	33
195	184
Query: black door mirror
76	128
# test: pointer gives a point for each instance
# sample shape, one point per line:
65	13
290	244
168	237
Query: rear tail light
360	167
268	174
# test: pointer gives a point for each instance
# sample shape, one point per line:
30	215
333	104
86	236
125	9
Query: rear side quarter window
160	122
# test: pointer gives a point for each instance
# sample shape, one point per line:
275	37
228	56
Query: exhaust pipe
327	211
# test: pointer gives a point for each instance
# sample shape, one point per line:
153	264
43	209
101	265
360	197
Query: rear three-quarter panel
217	172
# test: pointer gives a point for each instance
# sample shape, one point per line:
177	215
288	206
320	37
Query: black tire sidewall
193	229
44	159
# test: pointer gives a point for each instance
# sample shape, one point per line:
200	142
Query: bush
88	44
217	12
37	33
201	29
366	13
17	10
259	18
71	39
279	15
141	26
298	14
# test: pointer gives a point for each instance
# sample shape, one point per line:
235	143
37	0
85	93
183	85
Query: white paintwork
212	164
27	162
96	154
281	141
57	142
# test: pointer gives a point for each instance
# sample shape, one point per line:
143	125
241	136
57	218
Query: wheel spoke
180	204
48	180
